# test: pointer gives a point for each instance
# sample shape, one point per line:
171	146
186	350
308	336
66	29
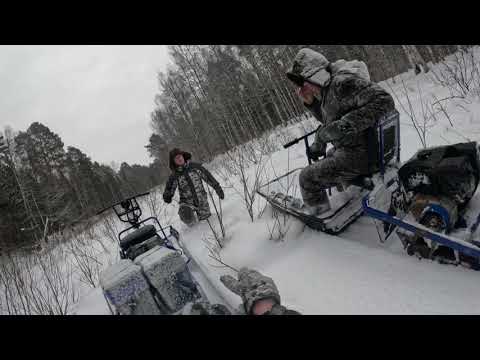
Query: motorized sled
152	276
425	201
283	193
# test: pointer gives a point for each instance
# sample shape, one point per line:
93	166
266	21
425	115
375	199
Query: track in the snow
207	289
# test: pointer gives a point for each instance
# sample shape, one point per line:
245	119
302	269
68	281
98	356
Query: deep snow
352	273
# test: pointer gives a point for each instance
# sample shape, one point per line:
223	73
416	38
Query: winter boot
316	210
187	215
320	207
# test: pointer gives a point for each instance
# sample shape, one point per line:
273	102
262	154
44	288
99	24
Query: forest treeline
214	97
211	98
46	187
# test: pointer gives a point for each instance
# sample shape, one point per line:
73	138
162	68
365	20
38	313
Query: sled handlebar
297	140
121	201
305	139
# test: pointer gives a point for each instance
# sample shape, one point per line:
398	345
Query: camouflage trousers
338	167
187	211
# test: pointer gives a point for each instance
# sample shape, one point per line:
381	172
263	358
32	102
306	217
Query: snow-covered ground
348	274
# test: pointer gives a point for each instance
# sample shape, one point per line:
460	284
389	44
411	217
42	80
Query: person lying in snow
342	98
258	292
188	176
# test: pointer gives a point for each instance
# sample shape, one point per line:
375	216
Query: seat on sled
383	151
138	236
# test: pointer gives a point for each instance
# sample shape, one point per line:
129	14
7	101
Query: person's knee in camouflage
203	209
335	170
314	180
187	215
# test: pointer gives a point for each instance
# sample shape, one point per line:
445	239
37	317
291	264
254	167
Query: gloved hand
334	131
167	199
251	286
316	150
220	193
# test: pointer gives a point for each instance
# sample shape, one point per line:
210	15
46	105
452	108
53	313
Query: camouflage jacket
203	308
188	179
282	310
349	107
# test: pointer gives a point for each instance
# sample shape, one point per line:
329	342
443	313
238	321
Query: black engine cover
451	171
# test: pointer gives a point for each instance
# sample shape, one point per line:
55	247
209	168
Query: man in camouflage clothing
348	105
258	292
188	176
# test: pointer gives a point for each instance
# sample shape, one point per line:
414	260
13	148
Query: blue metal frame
440	211
469	249
466	248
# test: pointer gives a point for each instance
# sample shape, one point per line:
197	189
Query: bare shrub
157	208
219	237
89	230
240	165
279	226
214	254
57	276
39	284
280	223
109	229
460	74
86	259
153	203
422	122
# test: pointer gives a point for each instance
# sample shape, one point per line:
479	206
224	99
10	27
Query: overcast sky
97	98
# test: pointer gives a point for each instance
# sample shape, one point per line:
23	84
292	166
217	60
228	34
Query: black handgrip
297	140
103	210
118	203
293	142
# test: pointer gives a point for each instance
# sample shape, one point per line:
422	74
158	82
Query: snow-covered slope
353	273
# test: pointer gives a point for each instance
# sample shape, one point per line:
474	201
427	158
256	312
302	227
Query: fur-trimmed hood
186	155
311	66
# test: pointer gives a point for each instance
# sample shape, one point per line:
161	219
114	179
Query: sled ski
346	206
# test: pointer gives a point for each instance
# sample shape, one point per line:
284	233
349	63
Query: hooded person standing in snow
188	176
341	96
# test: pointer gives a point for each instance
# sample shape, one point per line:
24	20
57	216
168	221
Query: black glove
220	193
167	198
312	155
315	151
335	131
